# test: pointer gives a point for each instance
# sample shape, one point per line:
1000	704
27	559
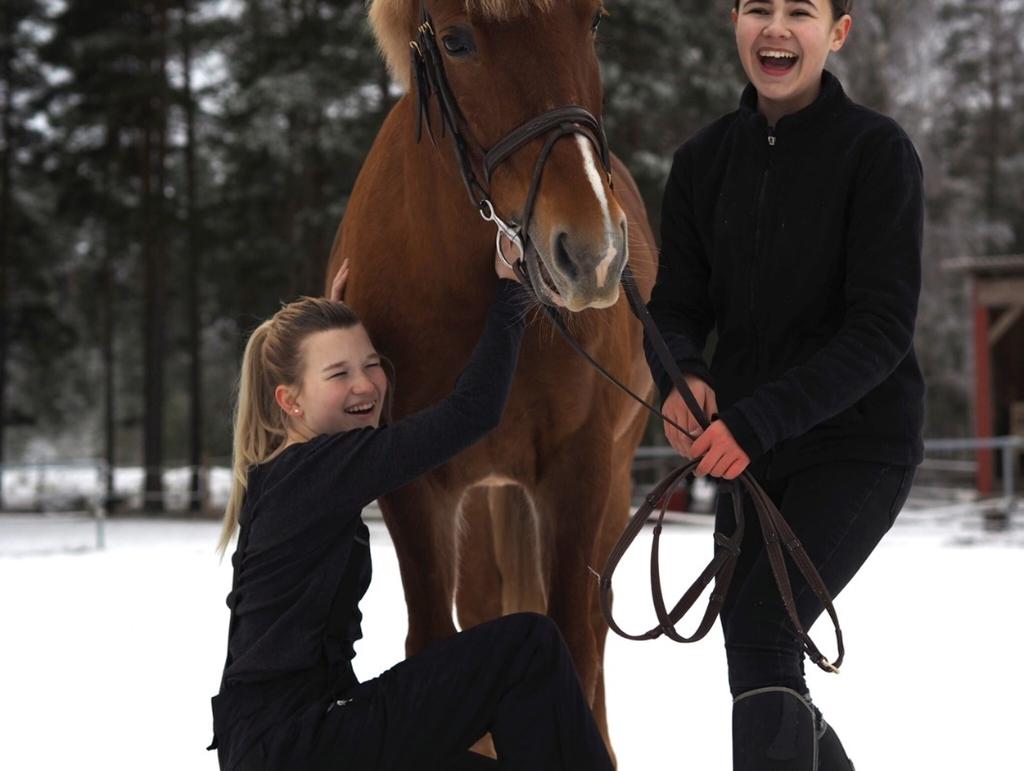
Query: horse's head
507	62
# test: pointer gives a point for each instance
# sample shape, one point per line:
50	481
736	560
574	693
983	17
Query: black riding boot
831	755
773	729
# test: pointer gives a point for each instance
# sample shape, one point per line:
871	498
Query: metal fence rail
1009	448
71	487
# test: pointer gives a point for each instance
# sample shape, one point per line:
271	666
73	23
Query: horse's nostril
563	260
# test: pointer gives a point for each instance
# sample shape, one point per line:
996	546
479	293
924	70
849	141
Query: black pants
512	677
839	511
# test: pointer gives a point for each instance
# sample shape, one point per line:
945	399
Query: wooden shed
997	306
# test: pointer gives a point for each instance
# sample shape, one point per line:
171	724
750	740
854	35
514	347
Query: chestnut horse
518	521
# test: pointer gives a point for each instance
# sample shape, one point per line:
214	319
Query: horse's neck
434	197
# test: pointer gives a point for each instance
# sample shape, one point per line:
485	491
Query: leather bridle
429	74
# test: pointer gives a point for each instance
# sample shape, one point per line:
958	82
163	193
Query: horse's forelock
505	9
394	21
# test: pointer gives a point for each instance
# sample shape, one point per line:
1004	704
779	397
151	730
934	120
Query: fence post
101	501
1009	477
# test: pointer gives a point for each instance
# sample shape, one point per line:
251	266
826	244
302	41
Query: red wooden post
983	393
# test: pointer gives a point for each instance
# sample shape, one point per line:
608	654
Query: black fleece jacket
801	245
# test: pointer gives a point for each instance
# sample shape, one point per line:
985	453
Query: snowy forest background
173	169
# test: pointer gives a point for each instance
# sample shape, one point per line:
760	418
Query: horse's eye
458	43
597	20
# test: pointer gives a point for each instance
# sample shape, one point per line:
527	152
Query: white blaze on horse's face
577	229
579	233
613	248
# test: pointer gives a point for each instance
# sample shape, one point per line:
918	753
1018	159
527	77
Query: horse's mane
394	23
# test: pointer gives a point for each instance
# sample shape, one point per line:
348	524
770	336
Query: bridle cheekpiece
431	80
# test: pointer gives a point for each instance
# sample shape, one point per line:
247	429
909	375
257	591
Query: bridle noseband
429	74
431	79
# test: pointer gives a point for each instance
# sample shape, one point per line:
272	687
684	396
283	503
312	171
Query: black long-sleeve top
303	561
801	246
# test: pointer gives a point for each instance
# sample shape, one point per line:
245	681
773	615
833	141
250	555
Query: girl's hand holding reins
675	408
500	265
720	455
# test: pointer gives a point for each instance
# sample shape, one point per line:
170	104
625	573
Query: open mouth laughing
361	409
777	61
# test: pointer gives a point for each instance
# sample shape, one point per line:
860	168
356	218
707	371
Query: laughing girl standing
793	227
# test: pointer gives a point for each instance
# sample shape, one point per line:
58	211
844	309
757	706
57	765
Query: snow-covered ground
108	658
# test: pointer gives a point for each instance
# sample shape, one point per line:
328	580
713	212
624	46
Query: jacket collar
829	98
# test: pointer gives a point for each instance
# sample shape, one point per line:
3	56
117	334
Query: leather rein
429	74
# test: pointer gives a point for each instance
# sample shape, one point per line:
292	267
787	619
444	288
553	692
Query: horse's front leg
616	515
571	498
421	518
478	582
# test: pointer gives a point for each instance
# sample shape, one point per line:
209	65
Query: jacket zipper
757	242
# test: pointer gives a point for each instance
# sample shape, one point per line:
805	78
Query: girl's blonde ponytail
258	427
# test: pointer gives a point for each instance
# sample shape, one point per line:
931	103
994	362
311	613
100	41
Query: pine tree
194	263
982	116
153	55
108	112
33	332
307	95
669	67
